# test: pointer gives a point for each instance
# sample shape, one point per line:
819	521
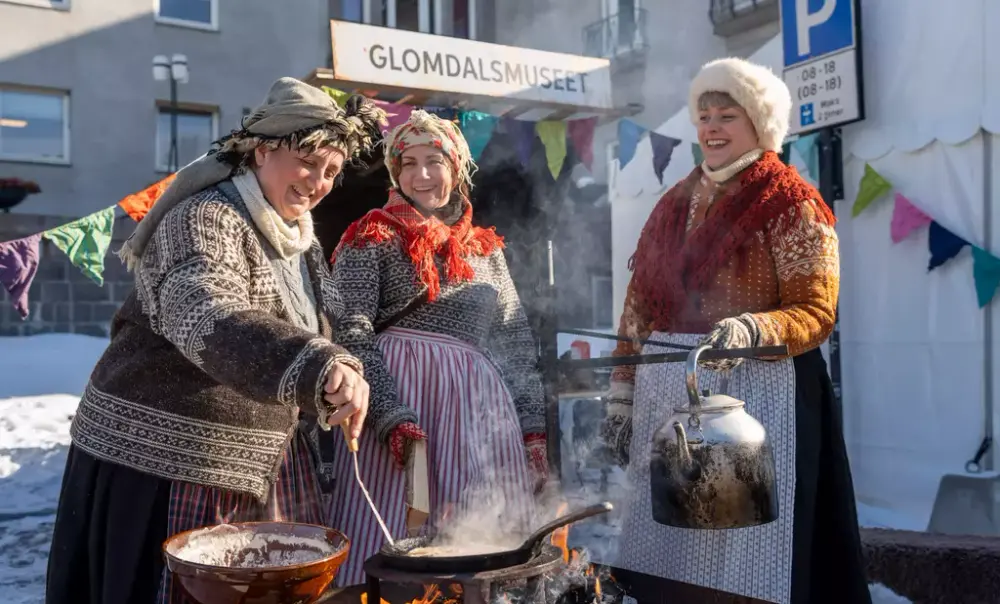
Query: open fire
560	575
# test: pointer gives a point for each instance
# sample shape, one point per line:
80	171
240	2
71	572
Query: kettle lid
715	402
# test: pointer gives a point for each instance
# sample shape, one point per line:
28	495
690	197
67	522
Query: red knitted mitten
400	438
538	462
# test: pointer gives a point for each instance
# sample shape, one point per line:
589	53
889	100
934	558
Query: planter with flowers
14	190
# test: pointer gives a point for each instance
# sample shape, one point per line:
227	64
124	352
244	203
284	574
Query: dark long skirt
828	564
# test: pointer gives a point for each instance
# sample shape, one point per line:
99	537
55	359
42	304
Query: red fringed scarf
423	239
671	265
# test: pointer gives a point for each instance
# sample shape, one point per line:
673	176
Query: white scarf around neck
288	240
726	172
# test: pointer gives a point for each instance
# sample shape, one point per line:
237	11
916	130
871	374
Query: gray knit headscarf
293	113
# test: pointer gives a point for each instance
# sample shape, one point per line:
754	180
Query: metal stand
174	160
831	187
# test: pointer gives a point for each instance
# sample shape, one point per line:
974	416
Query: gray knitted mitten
733	332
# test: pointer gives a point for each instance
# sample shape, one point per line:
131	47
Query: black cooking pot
397	555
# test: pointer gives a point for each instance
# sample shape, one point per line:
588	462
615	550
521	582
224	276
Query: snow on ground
41	379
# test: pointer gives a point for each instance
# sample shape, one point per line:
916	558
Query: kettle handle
691	376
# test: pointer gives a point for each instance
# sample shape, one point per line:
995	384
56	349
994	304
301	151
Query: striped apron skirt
476	457
754	562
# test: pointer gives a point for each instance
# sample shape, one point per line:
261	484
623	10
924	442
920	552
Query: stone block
53	269
89	291
104	311
83	312
62	328
92	329
56	291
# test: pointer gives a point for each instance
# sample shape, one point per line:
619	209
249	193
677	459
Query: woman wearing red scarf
433	314
742	252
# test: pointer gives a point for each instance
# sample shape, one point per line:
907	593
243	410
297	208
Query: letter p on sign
804	21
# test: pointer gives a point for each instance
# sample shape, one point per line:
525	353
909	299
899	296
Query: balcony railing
731	17
617	35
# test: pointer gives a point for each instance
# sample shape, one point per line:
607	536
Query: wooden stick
352	443
675	357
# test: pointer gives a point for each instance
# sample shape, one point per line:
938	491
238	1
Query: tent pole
831	187
988	311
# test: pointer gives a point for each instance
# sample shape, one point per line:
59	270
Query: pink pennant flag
906	218
396	113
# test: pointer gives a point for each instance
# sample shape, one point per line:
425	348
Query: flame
560	537
364	599
434	595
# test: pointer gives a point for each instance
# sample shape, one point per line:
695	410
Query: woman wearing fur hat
742	253
203	409
432	312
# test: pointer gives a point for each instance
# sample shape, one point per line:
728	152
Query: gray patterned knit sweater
378	280
207	370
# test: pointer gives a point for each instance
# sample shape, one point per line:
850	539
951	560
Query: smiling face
725	132
294	181
426	177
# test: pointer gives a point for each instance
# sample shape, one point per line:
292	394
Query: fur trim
762	94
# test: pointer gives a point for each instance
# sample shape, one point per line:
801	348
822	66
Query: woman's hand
536	449
347	393
734	332
400	439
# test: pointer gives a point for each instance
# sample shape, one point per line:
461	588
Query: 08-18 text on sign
821	54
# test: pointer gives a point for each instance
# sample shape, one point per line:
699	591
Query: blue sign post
822	59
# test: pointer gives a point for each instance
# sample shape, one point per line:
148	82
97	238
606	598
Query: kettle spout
687	466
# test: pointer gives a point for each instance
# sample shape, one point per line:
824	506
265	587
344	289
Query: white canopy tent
918	355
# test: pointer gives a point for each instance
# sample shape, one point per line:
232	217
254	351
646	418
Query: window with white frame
56	4
34	125
602	301
202	14
195	132
444	17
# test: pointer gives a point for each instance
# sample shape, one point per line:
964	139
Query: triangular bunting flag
523	133
85	242
986	273
339	96
696	154
477	127
943	245
396	113
629	134
663	149
808	147
138	204
906	218
553	135
18	265
581	134
872	187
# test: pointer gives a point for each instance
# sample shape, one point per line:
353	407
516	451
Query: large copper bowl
289	583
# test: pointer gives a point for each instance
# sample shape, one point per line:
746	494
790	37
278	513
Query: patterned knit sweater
789	284
206	371
378	280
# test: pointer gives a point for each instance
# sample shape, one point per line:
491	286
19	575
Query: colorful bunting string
696	154
942	244
808	147
581	135
629	134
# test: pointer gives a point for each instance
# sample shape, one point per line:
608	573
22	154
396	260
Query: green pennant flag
873	186
86	241
986	274
697	154
477	127
553	135
339	96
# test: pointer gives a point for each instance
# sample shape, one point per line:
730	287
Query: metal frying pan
396	555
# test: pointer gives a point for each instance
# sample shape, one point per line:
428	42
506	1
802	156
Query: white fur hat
763	95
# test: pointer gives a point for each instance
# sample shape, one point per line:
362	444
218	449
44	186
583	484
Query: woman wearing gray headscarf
203	409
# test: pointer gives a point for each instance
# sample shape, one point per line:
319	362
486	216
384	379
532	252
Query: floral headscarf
428	129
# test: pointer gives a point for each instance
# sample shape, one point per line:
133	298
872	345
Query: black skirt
110	525
828	563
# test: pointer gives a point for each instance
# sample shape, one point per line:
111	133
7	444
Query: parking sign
822	62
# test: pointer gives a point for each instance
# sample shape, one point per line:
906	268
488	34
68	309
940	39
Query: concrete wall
102	51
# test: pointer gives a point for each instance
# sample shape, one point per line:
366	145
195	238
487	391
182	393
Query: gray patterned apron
754	562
